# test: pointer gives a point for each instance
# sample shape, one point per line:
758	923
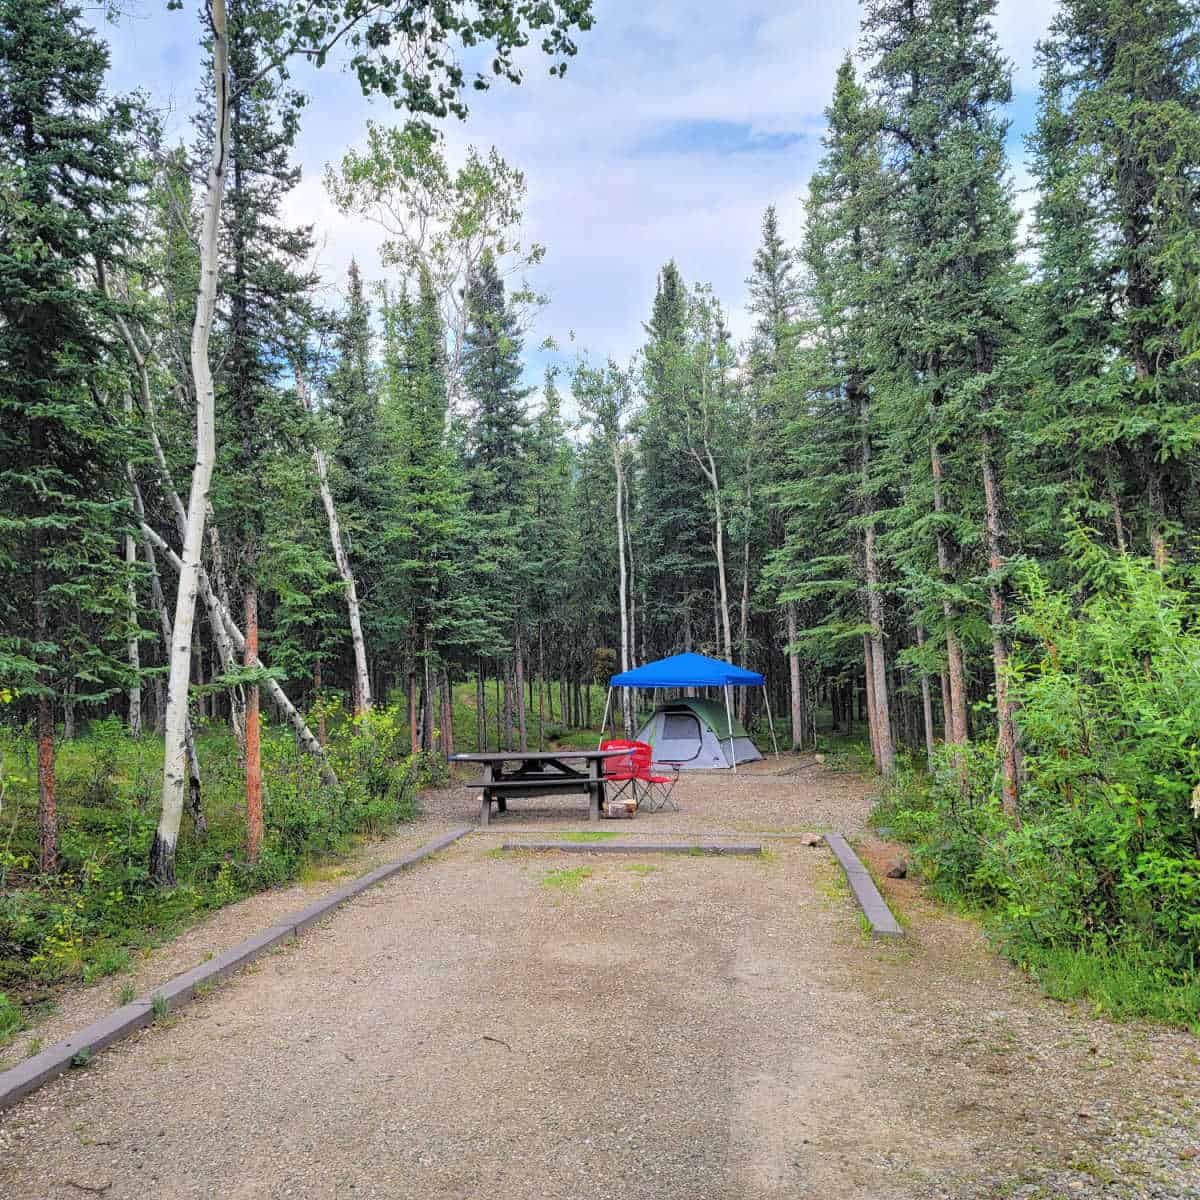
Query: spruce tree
673	547
497	446
264	305
67	181
844	249
952	308
1117	156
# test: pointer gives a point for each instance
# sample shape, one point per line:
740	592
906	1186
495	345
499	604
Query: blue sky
678	122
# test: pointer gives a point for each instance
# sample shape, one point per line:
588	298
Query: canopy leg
729	726
770	720
604	723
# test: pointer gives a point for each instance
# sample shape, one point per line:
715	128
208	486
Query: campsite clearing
714	1027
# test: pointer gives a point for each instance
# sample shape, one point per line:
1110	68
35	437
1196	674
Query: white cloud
610	194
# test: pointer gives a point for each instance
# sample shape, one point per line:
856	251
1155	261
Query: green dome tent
696	735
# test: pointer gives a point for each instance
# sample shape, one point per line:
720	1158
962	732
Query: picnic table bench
524	774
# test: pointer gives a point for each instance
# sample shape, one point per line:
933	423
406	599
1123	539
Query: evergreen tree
833	489
1117	153
673	546
428	537
67	164
497	445
951	308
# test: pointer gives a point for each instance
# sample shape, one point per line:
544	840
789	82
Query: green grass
568	879
1119	984
12	1020
585	837
642	868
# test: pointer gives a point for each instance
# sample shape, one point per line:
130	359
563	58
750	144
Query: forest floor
554	1025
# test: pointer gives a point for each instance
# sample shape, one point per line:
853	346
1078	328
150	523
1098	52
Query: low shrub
1095	884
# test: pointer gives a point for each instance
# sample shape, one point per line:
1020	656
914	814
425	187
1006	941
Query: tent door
679	739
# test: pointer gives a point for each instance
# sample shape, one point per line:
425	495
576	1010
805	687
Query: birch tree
440	220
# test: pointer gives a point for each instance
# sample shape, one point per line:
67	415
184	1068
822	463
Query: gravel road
574	1026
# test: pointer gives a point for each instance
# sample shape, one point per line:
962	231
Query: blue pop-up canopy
692	671
687	670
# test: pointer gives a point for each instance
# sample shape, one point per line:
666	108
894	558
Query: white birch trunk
342	559
164	623
162	852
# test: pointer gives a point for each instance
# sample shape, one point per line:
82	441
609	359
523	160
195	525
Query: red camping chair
657	788
620	769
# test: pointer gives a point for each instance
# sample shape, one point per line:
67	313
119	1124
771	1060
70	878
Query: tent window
680	727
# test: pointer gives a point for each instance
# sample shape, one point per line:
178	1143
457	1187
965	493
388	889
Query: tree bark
132	646
195	801
877	689
710	473
872	710
447	714
794	682
322	736
519	665
1158	517
162	852
480	710
956	713
926	703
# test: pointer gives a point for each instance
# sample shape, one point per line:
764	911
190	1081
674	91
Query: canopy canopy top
687	670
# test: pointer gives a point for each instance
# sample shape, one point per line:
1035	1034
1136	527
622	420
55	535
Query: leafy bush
1102	865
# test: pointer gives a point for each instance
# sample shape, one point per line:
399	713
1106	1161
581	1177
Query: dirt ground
564	1025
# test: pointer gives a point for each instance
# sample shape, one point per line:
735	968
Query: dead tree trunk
362	677
303	734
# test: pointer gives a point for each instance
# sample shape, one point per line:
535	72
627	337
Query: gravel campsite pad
549	1025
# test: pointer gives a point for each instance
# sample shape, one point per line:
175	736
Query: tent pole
770	720
604	723
729	726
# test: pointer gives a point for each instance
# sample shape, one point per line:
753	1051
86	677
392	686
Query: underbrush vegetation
85	921
1094	887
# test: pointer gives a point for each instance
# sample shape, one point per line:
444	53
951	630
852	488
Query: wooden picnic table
514	773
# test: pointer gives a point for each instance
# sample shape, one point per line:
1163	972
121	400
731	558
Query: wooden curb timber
28	1076
639	847
873	905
